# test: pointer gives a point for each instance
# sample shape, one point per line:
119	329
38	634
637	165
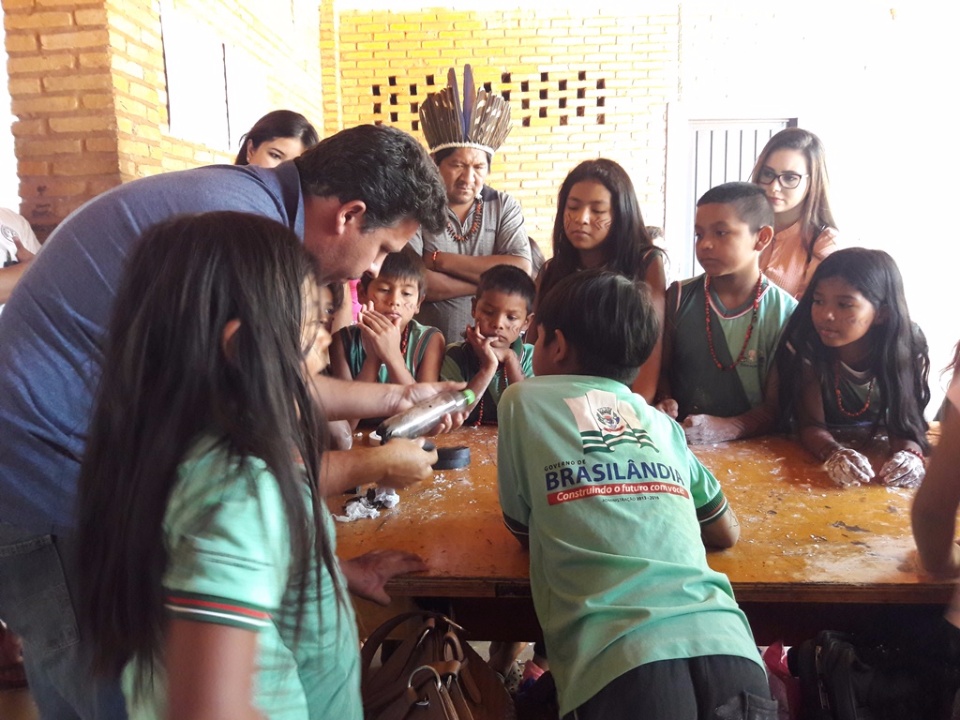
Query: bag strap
376	638
427	689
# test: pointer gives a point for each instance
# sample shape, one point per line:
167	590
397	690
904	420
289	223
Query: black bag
843	678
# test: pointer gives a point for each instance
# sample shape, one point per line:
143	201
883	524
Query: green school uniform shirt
229	564
613	501
696	383
460	364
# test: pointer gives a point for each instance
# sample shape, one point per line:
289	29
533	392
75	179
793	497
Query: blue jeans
37	581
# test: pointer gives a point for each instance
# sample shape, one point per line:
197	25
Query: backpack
843	677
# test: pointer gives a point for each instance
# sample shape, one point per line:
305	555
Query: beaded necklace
404	339
474	228
836	391
746	340
502	382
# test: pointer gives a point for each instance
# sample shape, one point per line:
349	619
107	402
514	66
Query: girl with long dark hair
850	358
209	581
599	225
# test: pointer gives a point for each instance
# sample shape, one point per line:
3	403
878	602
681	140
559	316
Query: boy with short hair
616	510
387	345
722	328
494	356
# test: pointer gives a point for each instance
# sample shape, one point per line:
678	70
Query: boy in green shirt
494	356
722	328
616	511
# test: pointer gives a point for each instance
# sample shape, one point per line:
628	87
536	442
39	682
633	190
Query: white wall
877	83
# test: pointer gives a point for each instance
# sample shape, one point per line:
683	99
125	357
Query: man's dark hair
508	279
749	201
403	265
385	168
608	319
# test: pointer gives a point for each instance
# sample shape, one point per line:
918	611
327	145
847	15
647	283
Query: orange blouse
784	260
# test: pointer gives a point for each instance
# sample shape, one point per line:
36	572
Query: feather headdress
482	121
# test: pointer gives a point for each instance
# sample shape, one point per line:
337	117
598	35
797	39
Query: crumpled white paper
369	504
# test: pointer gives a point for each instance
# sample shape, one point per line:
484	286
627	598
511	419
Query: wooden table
811	556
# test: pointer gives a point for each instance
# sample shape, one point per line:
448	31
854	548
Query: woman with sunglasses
792	170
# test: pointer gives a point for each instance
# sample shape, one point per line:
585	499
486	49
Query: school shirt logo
603	424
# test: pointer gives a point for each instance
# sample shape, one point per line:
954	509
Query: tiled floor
17	705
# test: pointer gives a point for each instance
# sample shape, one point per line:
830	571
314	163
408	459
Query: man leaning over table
353	198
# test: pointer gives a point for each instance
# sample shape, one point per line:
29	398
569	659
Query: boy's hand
904	469
668	406
482	346
379	334
847	468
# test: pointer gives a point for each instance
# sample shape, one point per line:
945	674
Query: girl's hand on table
848	468
707	429
367	574
904	469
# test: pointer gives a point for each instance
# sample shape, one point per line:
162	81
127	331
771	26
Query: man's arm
441	286
345	399
396	464
9	277
469	267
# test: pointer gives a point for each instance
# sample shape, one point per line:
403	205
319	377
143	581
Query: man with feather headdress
484	226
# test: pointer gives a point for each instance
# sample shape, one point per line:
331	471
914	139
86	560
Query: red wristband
915	452
433	259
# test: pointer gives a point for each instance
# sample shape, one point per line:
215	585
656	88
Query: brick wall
580	84
89	95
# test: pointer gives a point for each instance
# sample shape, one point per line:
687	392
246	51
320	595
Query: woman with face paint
599	225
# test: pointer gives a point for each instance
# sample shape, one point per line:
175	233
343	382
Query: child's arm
664	396
723	532
210	670
520	532
905	467
761	420
512	369
845	466
934	512
339	367
429	369
649	375
488	363
367	574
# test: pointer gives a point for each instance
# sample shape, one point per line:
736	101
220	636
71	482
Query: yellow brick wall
581	85
88	89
